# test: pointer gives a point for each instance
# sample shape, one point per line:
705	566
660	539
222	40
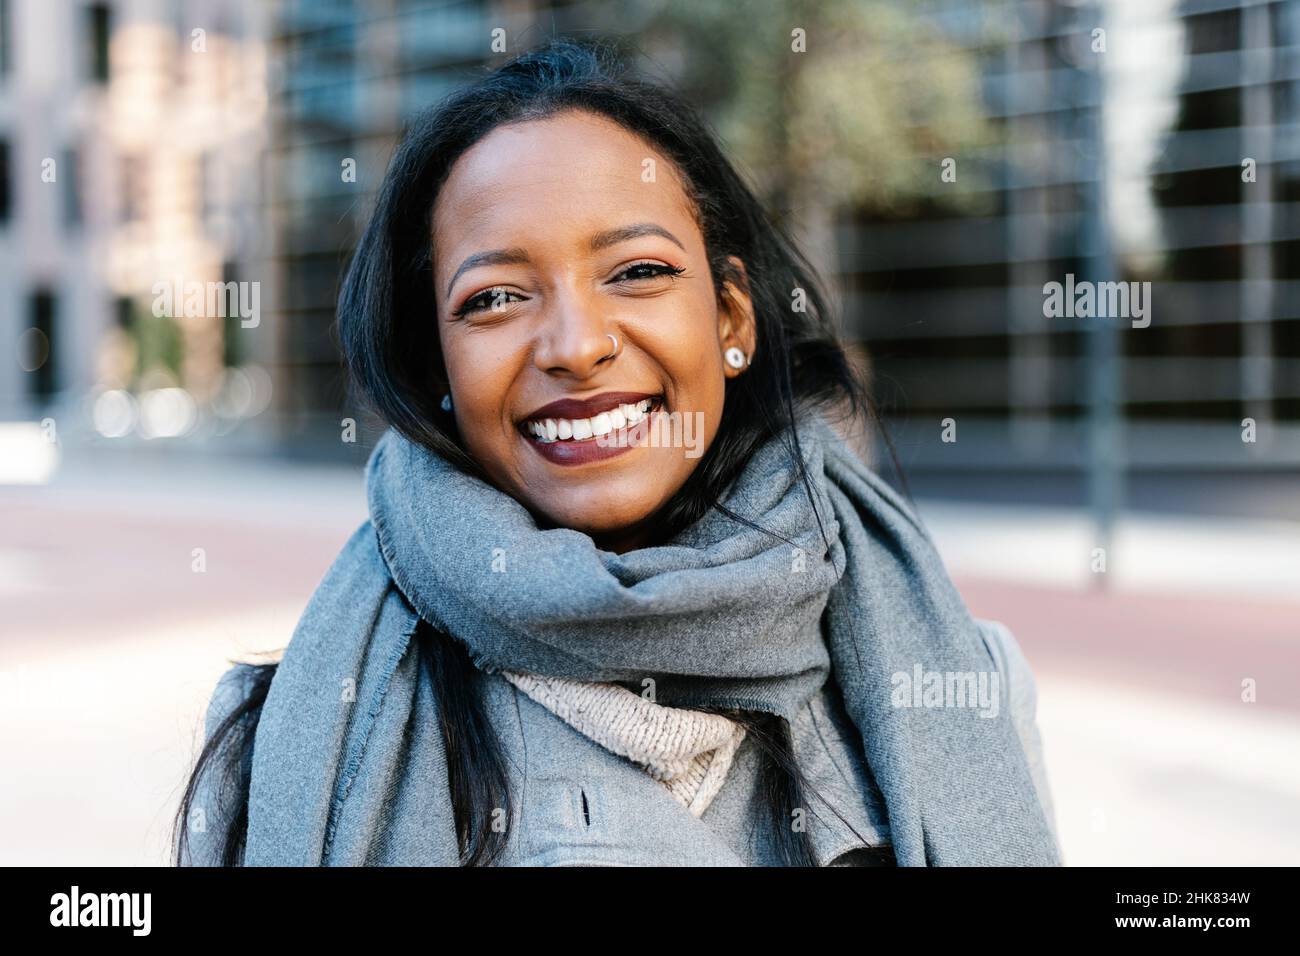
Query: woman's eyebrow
614	236
601	240
497	257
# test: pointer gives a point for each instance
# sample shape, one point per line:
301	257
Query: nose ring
615	338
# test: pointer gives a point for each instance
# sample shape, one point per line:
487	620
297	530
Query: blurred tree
861	119
159	344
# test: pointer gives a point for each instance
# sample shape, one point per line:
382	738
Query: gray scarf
349	763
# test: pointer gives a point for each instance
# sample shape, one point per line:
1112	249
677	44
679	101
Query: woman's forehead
570	173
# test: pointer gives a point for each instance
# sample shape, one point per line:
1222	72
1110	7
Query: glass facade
1114	147
1162	149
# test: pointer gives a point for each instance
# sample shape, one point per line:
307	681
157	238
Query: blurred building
1121	137
131	142
1122	163
1155	141
347	77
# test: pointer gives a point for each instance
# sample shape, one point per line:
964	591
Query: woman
625	595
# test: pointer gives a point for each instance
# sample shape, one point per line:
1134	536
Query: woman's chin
618	524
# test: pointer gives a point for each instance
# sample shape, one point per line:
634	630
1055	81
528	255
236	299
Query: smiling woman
600	295
559	641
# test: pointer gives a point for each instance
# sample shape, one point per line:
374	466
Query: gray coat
577	803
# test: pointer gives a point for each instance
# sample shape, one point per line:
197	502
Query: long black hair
390	342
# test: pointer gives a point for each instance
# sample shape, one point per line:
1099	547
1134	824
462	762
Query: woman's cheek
479	386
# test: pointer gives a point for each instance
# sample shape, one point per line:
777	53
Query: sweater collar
688	751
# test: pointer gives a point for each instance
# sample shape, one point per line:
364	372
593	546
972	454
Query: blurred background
177	471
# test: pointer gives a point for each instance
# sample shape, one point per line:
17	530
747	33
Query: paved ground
111	643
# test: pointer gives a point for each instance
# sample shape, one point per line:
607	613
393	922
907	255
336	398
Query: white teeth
580	429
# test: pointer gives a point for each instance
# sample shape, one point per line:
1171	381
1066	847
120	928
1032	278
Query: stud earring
446	402
736	358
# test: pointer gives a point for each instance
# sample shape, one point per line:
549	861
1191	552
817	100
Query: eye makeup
482	300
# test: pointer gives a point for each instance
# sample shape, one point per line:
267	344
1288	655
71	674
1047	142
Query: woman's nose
574	336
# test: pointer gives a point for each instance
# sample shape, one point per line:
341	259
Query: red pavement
94	568
99	569
1197	646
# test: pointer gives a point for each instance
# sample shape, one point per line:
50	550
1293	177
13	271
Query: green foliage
862	118
159	342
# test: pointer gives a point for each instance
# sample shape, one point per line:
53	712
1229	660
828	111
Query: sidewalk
1189	605
112	644
1151	553
1143	777
1153	755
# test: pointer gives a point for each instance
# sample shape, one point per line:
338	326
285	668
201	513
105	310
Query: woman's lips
580	408
617	441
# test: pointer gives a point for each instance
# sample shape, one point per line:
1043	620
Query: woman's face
549	237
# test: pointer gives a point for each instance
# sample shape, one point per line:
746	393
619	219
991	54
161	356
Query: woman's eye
487	299
647	270
498	298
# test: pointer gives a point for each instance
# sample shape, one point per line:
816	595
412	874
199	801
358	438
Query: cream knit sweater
687	751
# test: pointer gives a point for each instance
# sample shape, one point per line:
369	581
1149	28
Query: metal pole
1105	439
1256	287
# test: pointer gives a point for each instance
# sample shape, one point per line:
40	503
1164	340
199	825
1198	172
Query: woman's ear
736	325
